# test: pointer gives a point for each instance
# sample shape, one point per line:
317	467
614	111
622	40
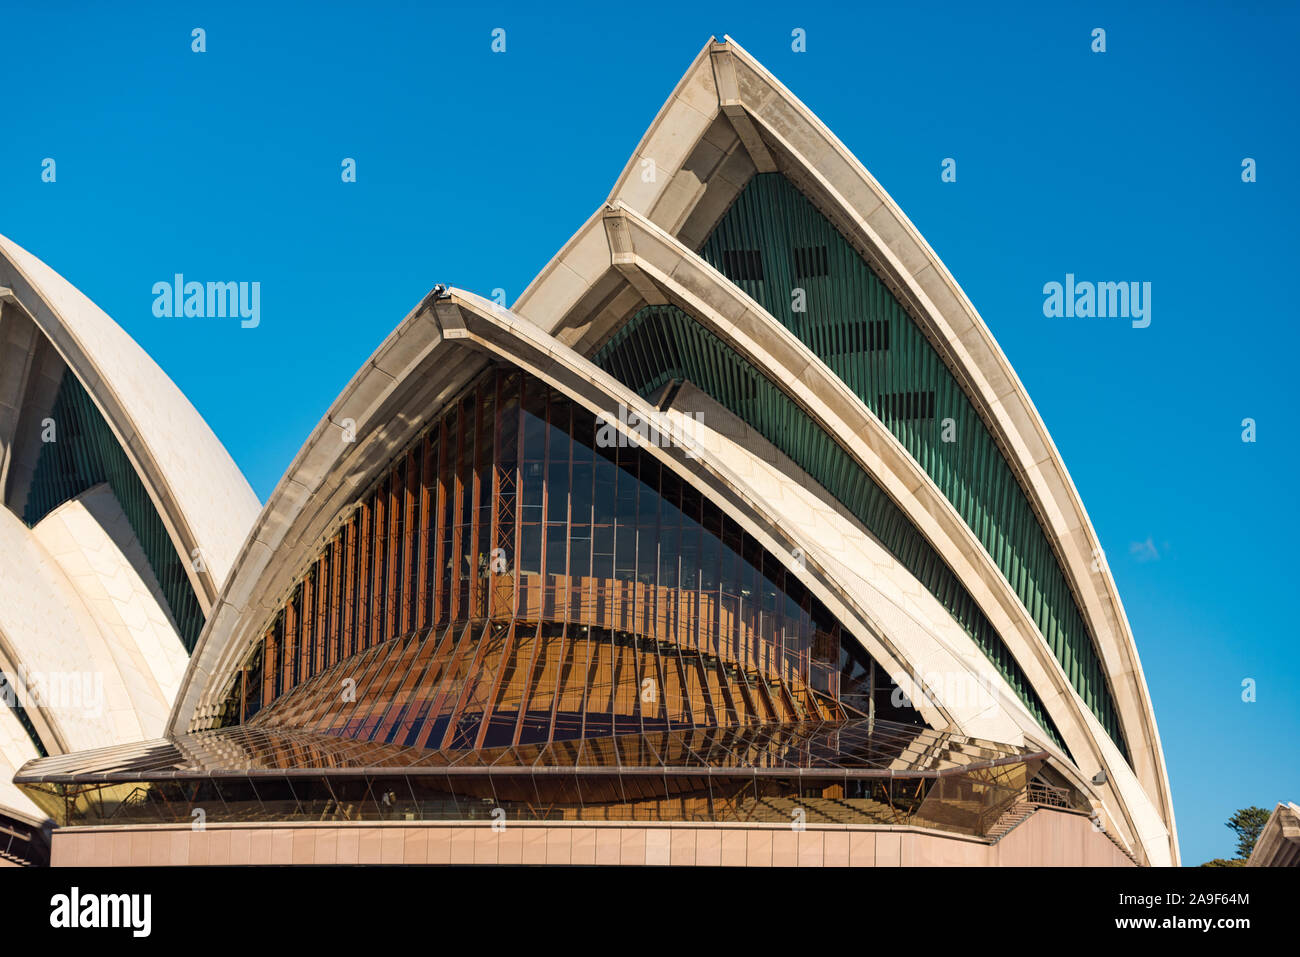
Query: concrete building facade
736	539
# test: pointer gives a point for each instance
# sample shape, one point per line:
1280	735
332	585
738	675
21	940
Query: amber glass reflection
515	578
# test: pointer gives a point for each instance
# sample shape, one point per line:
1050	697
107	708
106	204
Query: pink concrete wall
1048	837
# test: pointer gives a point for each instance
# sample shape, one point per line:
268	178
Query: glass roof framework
858	745
857	771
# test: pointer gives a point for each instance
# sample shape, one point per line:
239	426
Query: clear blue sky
473	169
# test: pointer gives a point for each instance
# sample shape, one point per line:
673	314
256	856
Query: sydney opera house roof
122	518
738	508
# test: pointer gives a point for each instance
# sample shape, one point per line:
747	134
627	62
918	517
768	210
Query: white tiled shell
92	541
179	458
725	85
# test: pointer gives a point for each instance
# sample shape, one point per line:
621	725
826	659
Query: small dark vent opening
852	337
906	405
810	261
742	264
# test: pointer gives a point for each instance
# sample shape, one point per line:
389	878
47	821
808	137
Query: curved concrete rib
202	497
786	516
727	119
655	268
339	471
91	540
433	353
379	412
95	675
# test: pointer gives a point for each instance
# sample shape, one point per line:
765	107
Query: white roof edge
283	505
1109	589
198	489
1108	592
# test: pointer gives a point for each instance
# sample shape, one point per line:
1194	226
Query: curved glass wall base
844	772
485	684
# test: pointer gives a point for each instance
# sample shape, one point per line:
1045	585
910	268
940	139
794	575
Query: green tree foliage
1246	823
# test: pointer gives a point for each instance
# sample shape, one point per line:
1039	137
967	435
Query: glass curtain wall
519	576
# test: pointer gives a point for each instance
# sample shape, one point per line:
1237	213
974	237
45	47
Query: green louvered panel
772	241
13	697
662	343
85	452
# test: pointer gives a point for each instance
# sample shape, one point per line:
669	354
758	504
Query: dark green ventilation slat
661	343
10	696
85	452
772	216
